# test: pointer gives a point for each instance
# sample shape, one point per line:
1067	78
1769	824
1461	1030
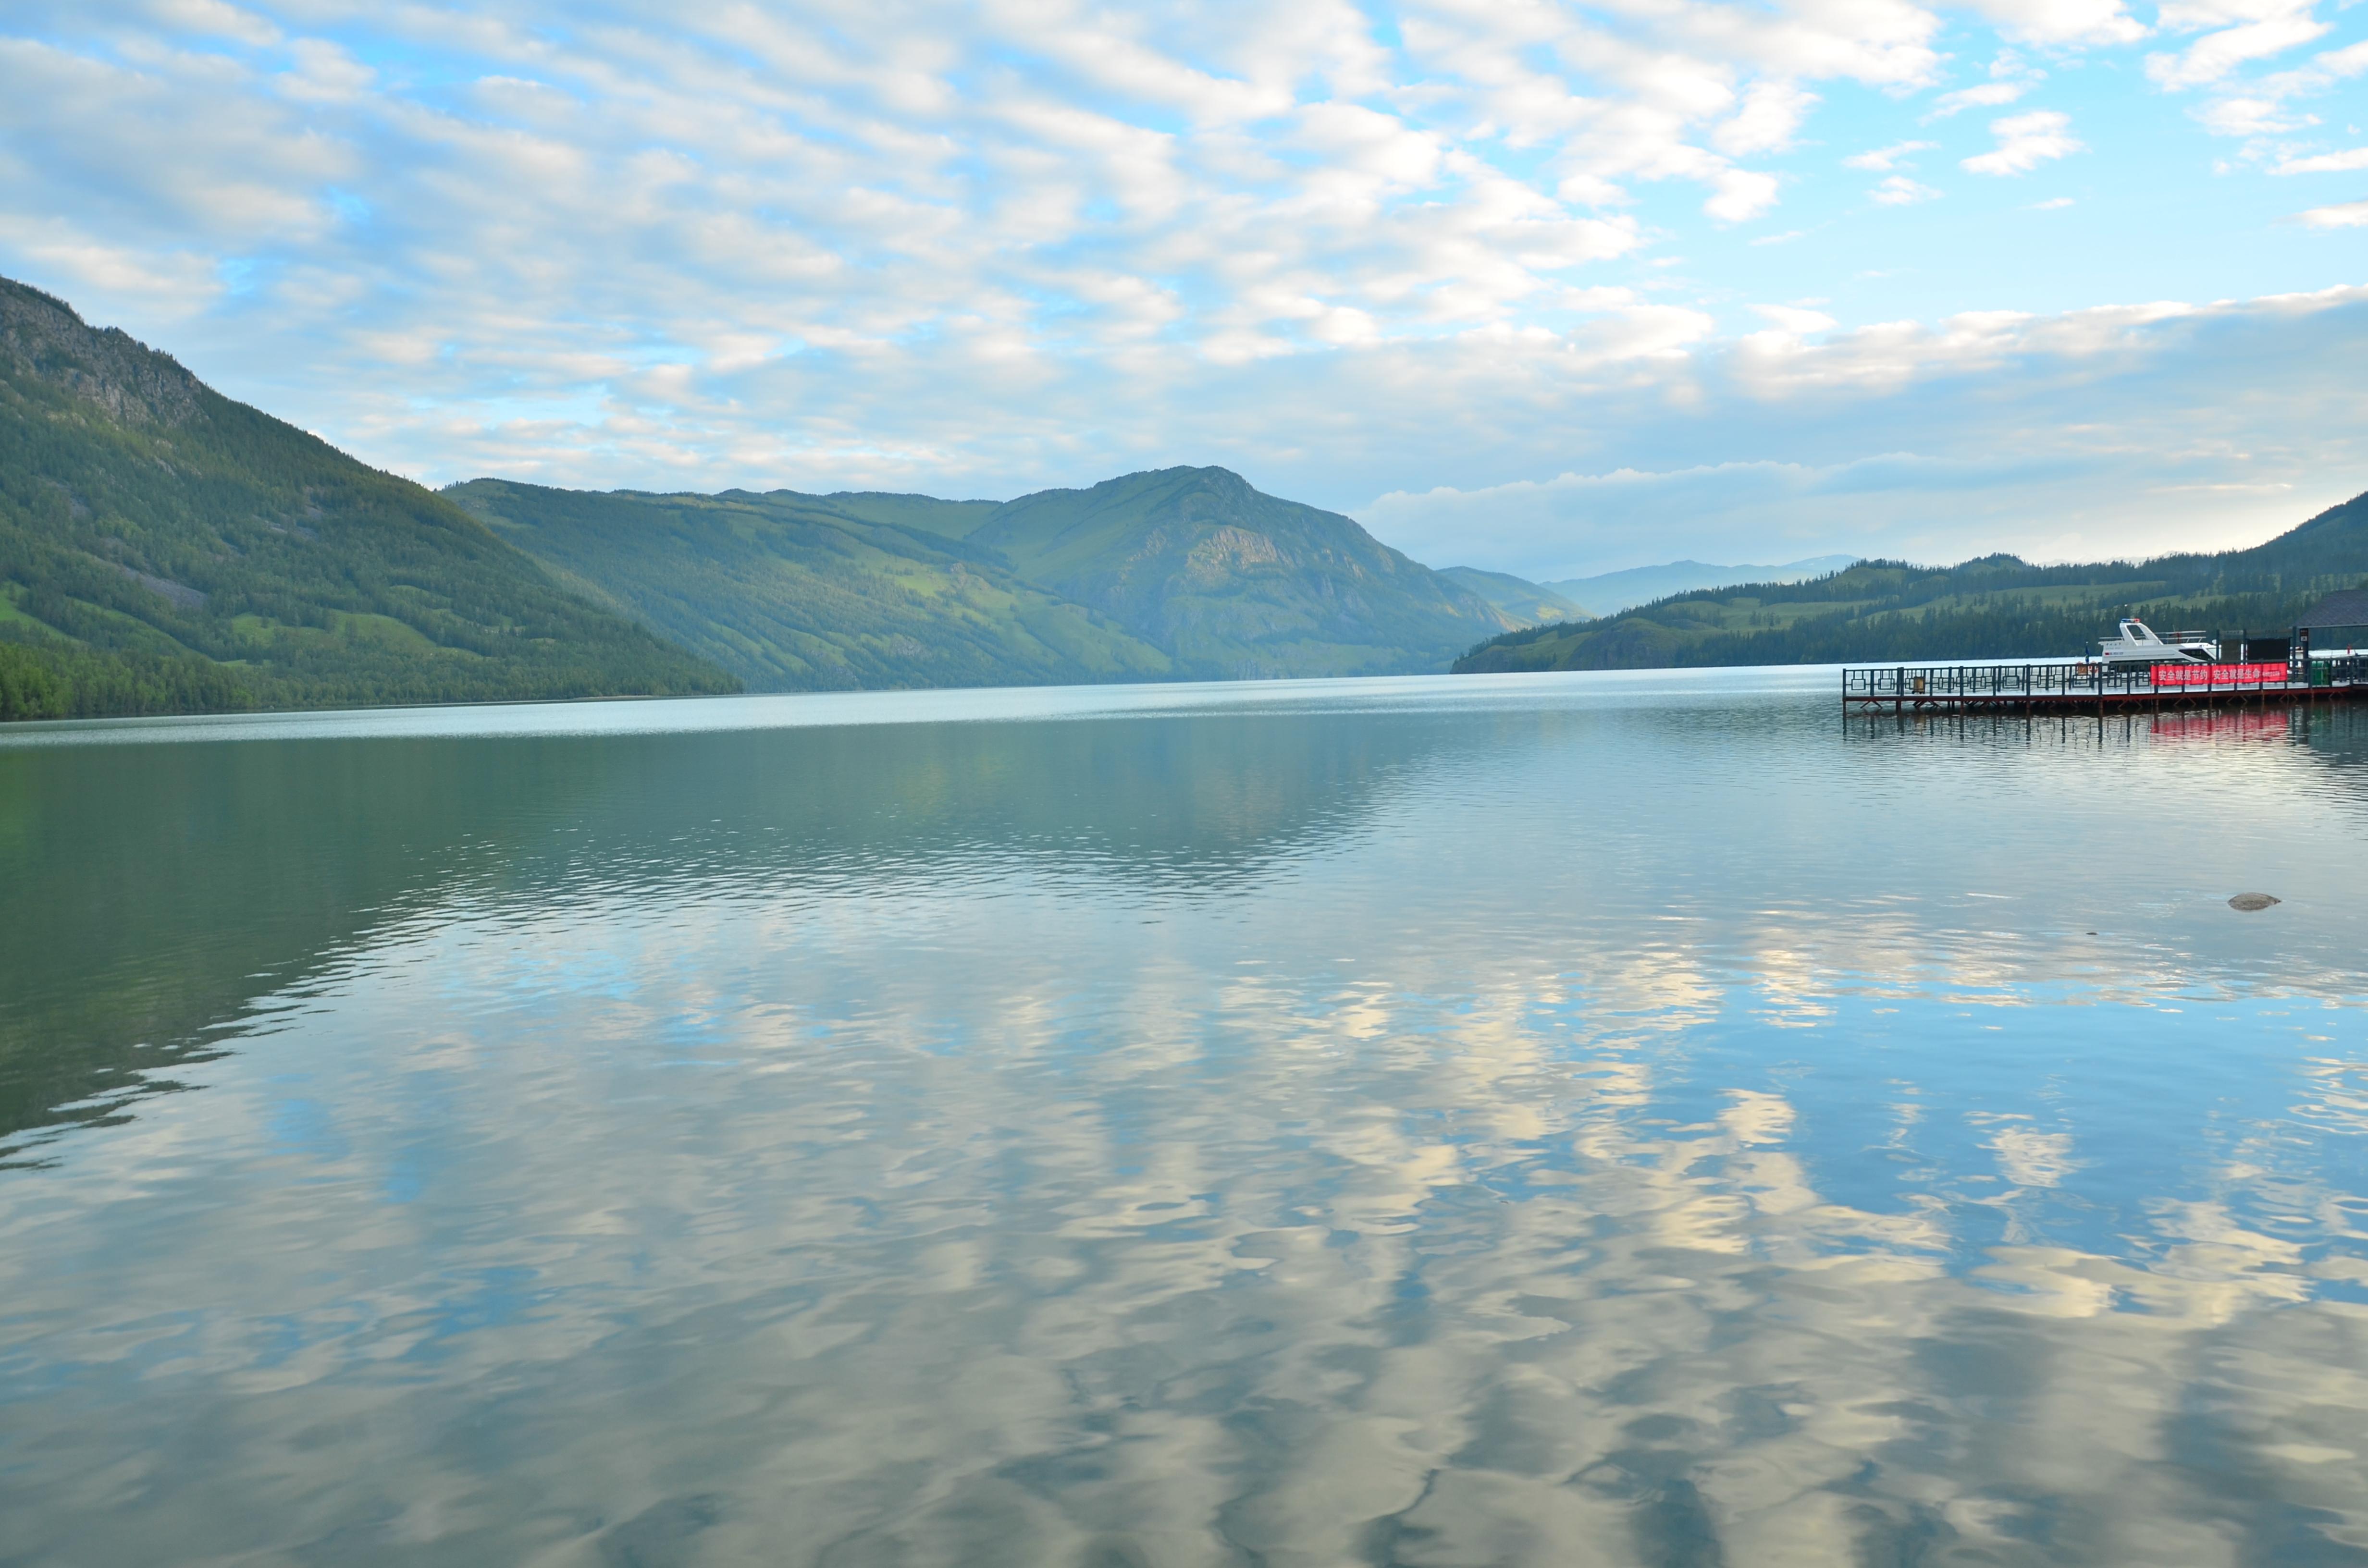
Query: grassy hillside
1995	608
1524	601
796	593
1233	583
164	549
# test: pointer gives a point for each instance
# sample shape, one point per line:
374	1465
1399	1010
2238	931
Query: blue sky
1544	288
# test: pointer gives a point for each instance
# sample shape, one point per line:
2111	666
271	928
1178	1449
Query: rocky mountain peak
43	337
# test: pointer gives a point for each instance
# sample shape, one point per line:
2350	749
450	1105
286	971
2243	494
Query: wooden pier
2096	688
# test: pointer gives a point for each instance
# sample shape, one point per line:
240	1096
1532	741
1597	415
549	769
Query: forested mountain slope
1994	608
1230	582
1187	574
792	592
163	549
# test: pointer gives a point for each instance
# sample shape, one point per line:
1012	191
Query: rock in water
2250	902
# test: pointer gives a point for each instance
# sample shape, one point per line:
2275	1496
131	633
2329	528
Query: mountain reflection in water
1546	1119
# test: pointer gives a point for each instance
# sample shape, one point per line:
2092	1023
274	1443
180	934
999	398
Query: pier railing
1950	685
1957	683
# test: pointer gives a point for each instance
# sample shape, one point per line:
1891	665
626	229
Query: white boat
2137	644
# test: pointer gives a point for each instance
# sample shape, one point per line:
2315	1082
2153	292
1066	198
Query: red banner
2219	675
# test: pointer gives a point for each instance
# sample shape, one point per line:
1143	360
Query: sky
1538	287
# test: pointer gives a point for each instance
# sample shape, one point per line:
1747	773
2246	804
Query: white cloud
2083	434
2063	21
2053	204
846	198
1881	160
166	286
1900	191
1796	320
191	151
2348	215
1770	118
1989	95
2264	106
982	249
1652	94
1743	195
218	18
2323	73
2025	141
1272	180
325	74
2324	163
2241	30
2243	116
2011	78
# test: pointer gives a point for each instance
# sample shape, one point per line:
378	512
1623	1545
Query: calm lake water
1538	1119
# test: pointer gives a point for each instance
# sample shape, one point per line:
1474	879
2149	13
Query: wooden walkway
2094	688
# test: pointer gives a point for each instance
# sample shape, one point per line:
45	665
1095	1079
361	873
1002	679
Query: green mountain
1996	608
1230	582
165	549
1184	575
808	593
1529	602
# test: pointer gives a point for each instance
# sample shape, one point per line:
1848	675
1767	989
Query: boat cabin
2139	644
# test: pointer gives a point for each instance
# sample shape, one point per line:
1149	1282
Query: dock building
2336	627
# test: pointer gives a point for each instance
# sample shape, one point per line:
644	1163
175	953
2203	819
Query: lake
1609	1118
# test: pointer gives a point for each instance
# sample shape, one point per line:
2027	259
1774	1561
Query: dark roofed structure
2349	607
2337	625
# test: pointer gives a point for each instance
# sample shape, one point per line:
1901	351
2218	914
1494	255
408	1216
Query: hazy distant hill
1528	603
1612	592
1233	582
793	592
1995	608
163	549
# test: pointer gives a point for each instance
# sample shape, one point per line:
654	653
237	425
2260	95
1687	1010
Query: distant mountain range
1183	573
163	549
1615	591
1996	608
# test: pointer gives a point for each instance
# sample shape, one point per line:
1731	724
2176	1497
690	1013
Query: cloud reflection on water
1429	1183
